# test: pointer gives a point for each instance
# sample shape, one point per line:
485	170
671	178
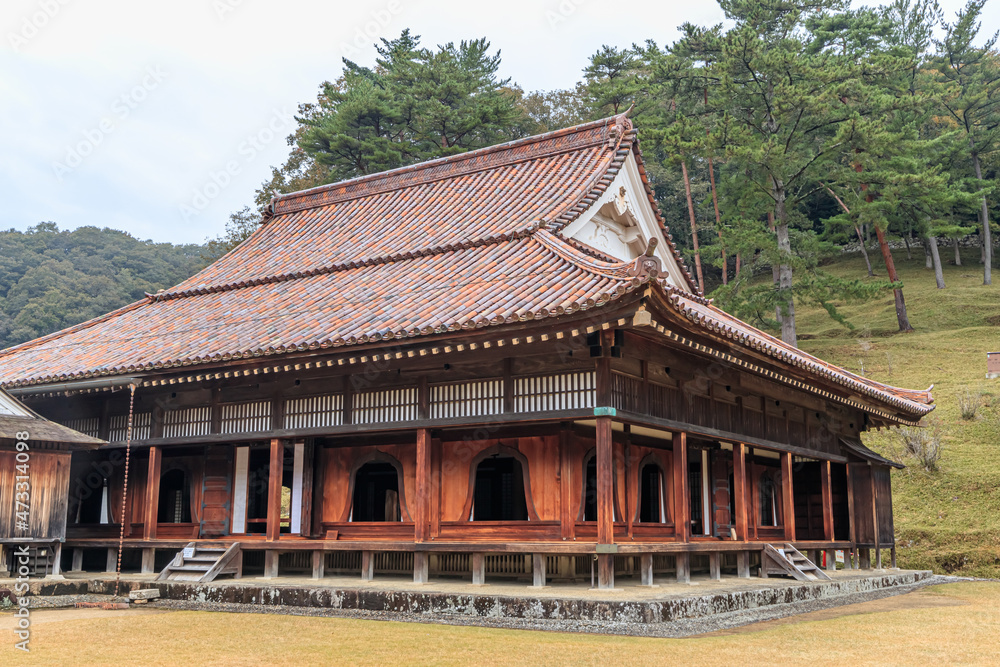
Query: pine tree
972	74
782	103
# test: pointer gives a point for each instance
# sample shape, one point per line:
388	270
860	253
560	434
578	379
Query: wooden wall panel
339	462
48	494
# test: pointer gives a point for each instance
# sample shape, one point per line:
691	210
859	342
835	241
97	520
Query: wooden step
205	564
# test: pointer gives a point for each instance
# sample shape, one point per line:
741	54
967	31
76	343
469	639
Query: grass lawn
950	624
948	521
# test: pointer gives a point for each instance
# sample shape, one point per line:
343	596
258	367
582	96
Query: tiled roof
470	198
463	242
496	283
701	311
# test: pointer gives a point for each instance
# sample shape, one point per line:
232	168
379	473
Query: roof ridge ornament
647	265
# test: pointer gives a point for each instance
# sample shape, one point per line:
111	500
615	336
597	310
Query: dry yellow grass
951	624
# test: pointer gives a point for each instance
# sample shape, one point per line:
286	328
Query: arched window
376	493
499	490
768	500
652	501
590	490
175	498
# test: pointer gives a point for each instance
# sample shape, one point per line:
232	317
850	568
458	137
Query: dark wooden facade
629	443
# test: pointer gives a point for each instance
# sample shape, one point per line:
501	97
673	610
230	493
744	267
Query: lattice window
565	391
87	425
466	399
142	423
385	405
314	411
187	422
627	392
251	417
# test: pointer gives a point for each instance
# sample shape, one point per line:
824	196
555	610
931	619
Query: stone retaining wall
526	607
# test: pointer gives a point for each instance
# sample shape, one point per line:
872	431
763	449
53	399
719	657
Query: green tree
781	109
972	74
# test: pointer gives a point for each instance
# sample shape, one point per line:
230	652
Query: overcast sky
162	118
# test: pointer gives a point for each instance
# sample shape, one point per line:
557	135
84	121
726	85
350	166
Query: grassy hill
948	520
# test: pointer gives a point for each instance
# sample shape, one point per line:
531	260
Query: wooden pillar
152	494
538	573
683	561
422	504
605	571
878	541
646	569
827	488
787	496
478	569
367	565
740	491
421	567
850	507
605	482
715	565
318	564
682	499
57	560
763	564
271	558
831	559
743	564
112	563
148	561
865	559
567	520
77	565
277	464
892	556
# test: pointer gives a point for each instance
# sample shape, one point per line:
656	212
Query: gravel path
679	628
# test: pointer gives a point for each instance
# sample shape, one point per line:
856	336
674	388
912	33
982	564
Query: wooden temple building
491	364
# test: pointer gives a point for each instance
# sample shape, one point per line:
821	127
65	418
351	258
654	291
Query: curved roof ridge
347	266
559	244
916	401
354	187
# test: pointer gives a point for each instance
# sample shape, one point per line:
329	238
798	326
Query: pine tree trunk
718	222
958	253
928	260
864	252
890	267
784	270
694	227
936	259
774	270
906	242
984	220
737	264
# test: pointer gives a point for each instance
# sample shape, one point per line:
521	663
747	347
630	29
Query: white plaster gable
622	223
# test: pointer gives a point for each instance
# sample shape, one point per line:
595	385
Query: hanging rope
128	448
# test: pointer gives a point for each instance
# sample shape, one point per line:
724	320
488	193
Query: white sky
127	114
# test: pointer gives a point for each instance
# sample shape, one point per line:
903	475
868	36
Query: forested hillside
51	279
